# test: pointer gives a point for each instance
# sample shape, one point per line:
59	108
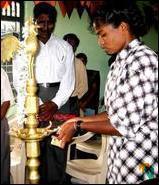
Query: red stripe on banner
62	7
67	7
53	3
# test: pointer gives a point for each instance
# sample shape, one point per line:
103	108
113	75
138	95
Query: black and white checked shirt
132	106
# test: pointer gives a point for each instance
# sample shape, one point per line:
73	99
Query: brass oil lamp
31	134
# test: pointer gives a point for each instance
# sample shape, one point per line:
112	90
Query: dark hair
114	15
112	59
45	8
72	36
83	56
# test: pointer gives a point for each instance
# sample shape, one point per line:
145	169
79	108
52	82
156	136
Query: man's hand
47	110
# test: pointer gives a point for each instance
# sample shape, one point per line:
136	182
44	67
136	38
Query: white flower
22	76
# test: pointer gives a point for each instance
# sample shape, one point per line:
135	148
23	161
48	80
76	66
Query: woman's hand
67	131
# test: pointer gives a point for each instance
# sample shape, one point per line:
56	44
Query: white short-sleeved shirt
131	100
6	91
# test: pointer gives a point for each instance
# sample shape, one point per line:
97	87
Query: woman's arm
99	123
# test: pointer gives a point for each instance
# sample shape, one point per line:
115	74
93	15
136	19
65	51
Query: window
12	21
12	18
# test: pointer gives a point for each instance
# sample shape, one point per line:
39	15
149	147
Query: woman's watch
77	125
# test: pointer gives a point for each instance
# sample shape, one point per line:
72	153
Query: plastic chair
92	171
92	146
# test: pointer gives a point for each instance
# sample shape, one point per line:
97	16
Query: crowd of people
65	85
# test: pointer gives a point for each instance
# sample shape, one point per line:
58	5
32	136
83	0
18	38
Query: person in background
6	98
131	97
90	101
55	76
81	81
83	57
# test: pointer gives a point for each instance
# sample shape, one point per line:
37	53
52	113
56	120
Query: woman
130	98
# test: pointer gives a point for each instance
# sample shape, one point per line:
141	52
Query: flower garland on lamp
21	90
21	81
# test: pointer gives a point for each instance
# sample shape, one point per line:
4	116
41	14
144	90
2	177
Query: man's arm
67	83
6	92
4	108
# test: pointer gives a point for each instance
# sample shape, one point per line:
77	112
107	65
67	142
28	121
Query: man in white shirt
56	78
6	97
54	62
55	75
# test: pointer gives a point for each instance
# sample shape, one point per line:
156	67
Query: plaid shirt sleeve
134	100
